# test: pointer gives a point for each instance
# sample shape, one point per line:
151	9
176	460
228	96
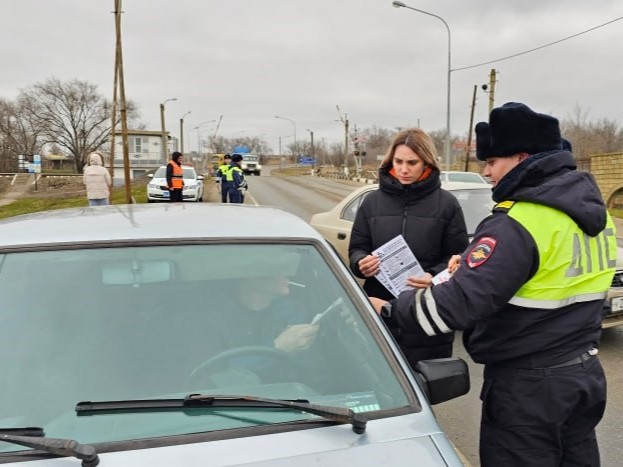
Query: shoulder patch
504	206
480	253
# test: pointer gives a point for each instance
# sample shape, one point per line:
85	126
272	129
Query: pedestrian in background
237	184
409	202
97	181
175	177
529	295
221	175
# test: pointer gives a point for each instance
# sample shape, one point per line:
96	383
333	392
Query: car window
464	177
350	211
161	173
167	321
250	158
476	205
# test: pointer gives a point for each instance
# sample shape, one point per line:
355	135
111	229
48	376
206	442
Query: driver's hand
296	337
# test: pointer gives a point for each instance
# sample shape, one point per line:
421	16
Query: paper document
397	263
443	276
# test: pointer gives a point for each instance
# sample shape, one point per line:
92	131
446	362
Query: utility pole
492	81
123	110
468	147
113	122
182	131
344	120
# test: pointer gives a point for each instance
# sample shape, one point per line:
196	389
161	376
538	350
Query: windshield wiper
60	447
24	431
193	401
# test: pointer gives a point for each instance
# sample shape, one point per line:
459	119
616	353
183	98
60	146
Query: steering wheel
222	358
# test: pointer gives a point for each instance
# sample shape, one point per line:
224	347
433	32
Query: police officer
222	176
236	183
175	177
529	294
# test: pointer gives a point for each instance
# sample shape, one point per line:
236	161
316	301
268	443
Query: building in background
145	150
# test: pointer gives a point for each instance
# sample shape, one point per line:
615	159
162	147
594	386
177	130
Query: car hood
396	441
163	181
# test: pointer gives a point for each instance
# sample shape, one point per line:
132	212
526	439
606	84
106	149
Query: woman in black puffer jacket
411	202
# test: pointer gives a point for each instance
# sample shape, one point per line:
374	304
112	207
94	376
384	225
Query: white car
470	177
157	186
335	225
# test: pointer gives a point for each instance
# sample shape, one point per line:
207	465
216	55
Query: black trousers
175	196
542	417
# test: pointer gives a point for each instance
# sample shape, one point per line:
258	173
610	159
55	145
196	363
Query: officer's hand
420	282
454	263
377	303
369	266
296	337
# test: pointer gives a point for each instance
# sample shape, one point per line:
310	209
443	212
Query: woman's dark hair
176	156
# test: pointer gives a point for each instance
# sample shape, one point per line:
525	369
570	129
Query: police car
201	334
157	186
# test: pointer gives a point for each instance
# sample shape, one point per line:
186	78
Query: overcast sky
250	60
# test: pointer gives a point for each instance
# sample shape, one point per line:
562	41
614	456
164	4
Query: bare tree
589	138
73	115
19	134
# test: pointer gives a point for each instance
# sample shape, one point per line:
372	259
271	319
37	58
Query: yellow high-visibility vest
573	267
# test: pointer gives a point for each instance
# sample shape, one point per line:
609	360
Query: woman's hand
369	266
420	282
296	337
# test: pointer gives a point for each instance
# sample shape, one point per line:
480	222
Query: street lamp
182	132
447	148
165	142
198	137
292	122
311	133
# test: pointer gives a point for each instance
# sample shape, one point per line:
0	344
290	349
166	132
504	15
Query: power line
540	47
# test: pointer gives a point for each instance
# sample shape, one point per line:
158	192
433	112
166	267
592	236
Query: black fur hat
236	158
515	128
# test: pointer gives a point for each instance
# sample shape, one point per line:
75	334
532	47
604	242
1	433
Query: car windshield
189	173
476	205
250	158
168	321
463	177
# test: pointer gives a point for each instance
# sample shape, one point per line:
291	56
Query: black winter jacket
431	221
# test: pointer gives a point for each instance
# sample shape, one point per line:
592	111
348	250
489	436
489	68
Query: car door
338	230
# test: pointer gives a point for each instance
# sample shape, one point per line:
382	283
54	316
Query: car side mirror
443	378
199	177
150	175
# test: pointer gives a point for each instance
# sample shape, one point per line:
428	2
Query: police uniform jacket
484	297
431	221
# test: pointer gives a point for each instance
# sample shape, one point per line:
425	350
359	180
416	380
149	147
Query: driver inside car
265	315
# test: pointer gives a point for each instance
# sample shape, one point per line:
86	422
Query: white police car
157	186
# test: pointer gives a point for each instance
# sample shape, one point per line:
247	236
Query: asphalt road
305	196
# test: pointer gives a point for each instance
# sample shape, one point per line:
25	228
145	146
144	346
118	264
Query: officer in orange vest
175	177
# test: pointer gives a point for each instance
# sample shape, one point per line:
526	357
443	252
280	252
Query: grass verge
28	205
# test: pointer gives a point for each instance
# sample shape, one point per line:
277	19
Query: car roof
153	222
446	185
